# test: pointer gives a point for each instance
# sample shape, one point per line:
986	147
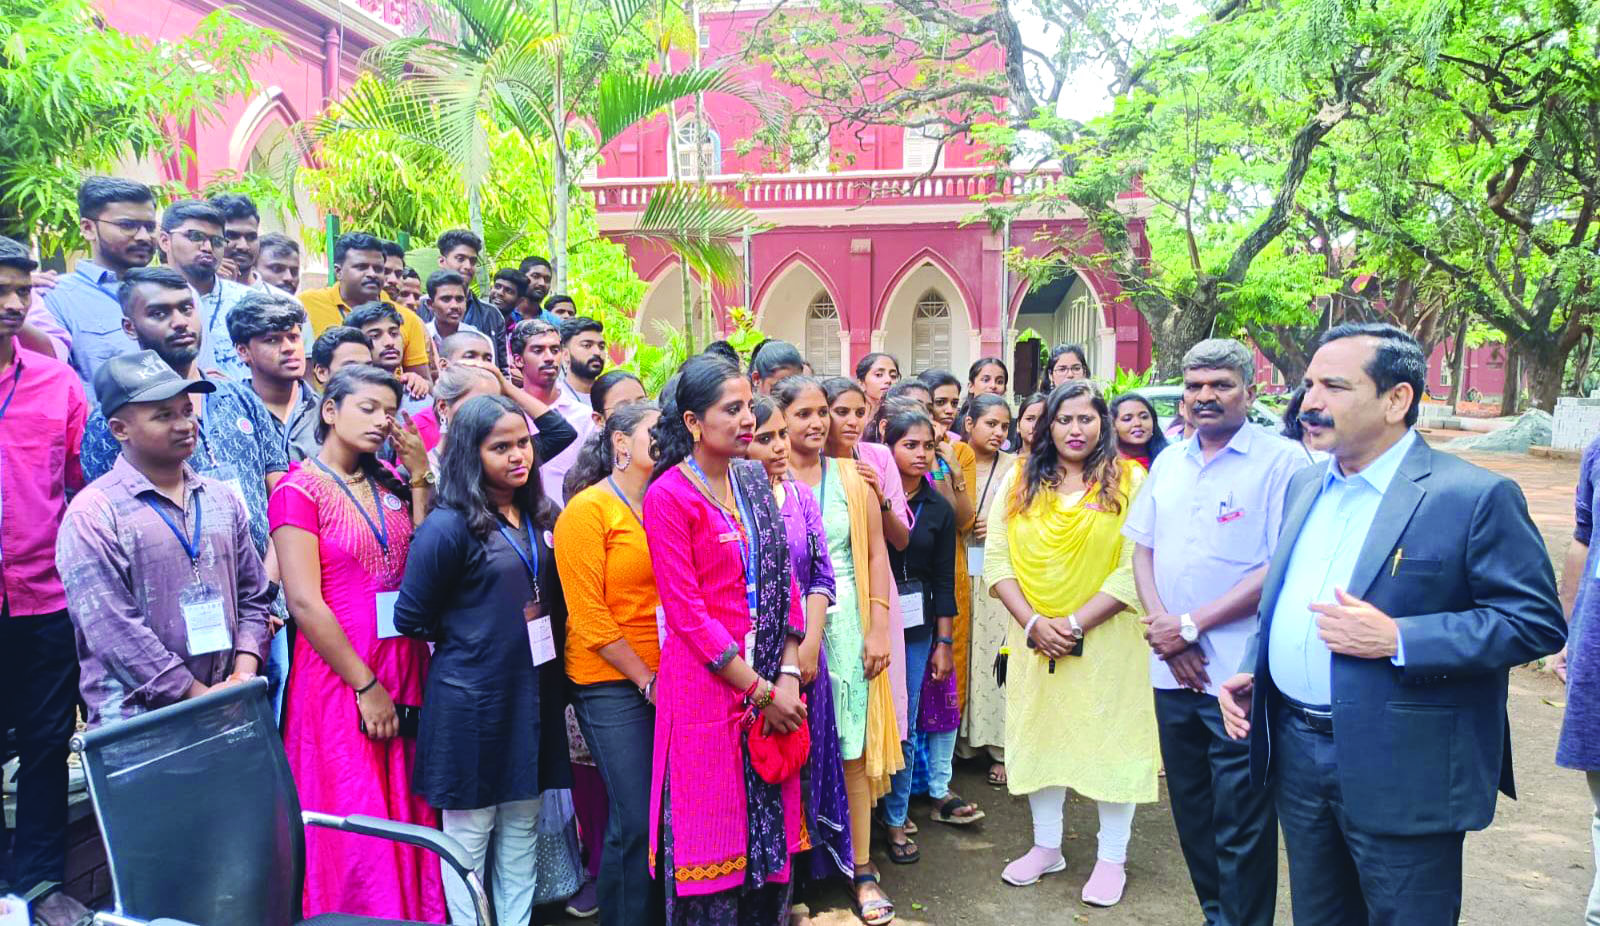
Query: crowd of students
743	621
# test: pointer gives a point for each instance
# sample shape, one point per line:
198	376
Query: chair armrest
440	844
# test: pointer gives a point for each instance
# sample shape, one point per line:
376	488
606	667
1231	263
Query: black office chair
202	823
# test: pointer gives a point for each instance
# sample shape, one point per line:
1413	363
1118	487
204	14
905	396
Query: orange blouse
608	583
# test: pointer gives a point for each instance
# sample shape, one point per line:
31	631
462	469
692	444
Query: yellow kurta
962	628
983	717
1090	725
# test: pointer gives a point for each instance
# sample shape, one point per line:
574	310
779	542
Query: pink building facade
321	45
867	249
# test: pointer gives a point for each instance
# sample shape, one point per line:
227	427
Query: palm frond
700	225
627	98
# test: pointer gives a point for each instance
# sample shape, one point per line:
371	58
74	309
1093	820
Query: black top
929	557
555	434
493	726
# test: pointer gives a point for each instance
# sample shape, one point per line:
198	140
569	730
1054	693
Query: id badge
542	639
661	626
385	602
911	605
974	559
749	653
205	623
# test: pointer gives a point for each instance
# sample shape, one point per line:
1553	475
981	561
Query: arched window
815	151
822	336
698	146
922	149
930	332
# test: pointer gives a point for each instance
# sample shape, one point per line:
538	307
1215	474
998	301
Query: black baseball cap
141	376
13	254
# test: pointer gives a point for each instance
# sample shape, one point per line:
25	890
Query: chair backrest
199	812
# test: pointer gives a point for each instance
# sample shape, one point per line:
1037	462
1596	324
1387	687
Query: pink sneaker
1105	884
1031	867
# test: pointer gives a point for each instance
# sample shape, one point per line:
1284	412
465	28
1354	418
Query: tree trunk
1511	393
1580	370
1458	361
1547	369
1178	328
563	199
675	175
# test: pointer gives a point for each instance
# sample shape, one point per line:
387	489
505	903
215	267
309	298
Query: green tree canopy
79	98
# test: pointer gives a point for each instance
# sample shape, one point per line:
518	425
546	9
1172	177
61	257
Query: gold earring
695	435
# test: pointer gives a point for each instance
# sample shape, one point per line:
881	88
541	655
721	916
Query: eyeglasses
128	226
1075	368
196	236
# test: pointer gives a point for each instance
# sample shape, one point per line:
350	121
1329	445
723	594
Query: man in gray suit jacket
1405	584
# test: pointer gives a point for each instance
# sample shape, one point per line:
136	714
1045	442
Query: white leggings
1116	824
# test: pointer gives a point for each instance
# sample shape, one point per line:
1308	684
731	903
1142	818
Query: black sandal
903	853
946	811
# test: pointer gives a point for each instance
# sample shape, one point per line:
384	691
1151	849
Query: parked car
1166	398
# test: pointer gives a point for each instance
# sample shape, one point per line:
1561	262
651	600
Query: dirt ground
1533	865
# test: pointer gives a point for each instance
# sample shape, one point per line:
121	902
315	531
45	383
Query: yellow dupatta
1052	532
881	750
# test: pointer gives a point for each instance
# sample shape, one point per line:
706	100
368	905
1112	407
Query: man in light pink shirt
42	412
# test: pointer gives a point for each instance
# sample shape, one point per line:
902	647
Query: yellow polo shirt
326	308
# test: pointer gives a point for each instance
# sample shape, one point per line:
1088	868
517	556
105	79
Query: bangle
764	699
1027	631
647	686
947	641
872	600
368	686
791	671
749	693
1077	628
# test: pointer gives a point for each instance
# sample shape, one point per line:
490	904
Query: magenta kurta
337	769
698	747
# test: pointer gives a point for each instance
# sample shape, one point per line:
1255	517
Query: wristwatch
1187	629
424	480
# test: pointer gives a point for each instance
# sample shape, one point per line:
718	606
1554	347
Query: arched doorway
797	307
1066	310
661	310
925	323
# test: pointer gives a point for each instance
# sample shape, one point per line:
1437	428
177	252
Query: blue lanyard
191	545
380	528
16	378
530	564
624	499
746	554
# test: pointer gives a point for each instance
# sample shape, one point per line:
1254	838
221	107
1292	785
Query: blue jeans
619	726
941	746
275	669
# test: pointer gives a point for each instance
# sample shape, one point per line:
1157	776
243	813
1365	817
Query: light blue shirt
1323	558
1208	524
84	303
216	343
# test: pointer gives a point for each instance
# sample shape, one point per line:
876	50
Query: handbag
776	757
557	860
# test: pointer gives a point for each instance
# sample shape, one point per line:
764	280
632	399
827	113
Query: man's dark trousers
38	692
1228	828
1339	875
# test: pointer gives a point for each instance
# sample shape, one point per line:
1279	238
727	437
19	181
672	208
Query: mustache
1206	406
1319	419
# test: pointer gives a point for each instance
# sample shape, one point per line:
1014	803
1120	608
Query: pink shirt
41	432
